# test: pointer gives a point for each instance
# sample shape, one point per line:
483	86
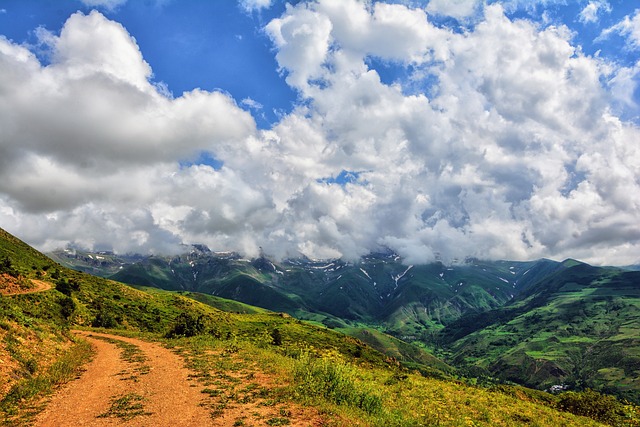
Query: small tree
188	325
104	319
7	267
276	337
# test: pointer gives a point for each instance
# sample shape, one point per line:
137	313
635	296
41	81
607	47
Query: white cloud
109	5
516	154
506	130
459	9
98	140
251	5
312	39
624	84
591	11
252	103
629	27
303	40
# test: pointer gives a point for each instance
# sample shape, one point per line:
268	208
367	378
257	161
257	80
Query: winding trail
163	389
135	383
39	286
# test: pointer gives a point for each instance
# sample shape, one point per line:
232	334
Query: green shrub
334	381
104	319
188	325
592	404
6	266
67	307
276	337
67	286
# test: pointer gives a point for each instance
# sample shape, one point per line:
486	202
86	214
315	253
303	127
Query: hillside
540	323
345	380
579	327
378	289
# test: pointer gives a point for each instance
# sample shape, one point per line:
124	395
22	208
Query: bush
67	286
589	403
188	325
7	267
68	306
334	381
104	319
276	337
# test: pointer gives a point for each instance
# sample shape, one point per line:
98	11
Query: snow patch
400	276
365	273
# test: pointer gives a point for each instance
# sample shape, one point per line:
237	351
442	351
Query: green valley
341	379
540	323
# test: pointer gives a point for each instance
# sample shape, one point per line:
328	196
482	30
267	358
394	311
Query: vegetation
21	402
236	356
126	407
539	323
595	405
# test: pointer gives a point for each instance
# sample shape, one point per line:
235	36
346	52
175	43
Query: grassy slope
347	380
582	329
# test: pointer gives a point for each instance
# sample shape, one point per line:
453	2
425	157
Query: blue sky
220	45
213	45
499	129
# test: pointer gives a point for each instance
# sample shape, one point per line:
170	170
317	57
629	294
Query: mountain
233	352
578	326
101	263
540	323
379	288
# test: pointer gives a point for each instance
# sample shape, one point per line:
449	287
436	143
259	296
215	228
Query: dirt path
12	289
144	385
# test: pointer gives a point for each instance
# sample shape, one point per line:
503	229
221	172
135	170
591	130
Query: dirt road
12	288
143	385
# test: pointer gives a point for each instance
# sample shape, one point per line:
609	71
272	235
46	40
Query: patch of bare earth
147	387
131	382
243	395
10	285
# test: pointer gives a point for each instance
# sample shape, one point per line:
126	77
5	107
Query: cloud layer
503	142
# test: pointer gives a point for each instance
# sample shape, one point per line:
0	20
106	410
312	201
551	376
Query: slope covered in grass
580	328
343	378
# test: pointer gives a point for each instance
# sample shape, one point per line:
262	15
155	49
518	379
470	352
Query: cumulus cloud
459	9
629	28
591	11
507	145
91	133
474	170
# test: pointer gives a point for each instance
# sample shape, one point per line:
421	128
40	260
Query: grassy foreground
348	394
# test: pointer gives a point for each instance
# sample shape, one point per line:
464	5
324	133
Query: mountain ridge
349	381
488	317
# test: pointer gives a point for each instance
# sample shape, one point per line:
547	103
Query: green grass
333	380
349	393
343	379
20	404
126	407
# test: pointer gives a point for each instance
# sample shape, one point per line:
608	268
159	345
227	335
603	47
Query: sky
439	129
